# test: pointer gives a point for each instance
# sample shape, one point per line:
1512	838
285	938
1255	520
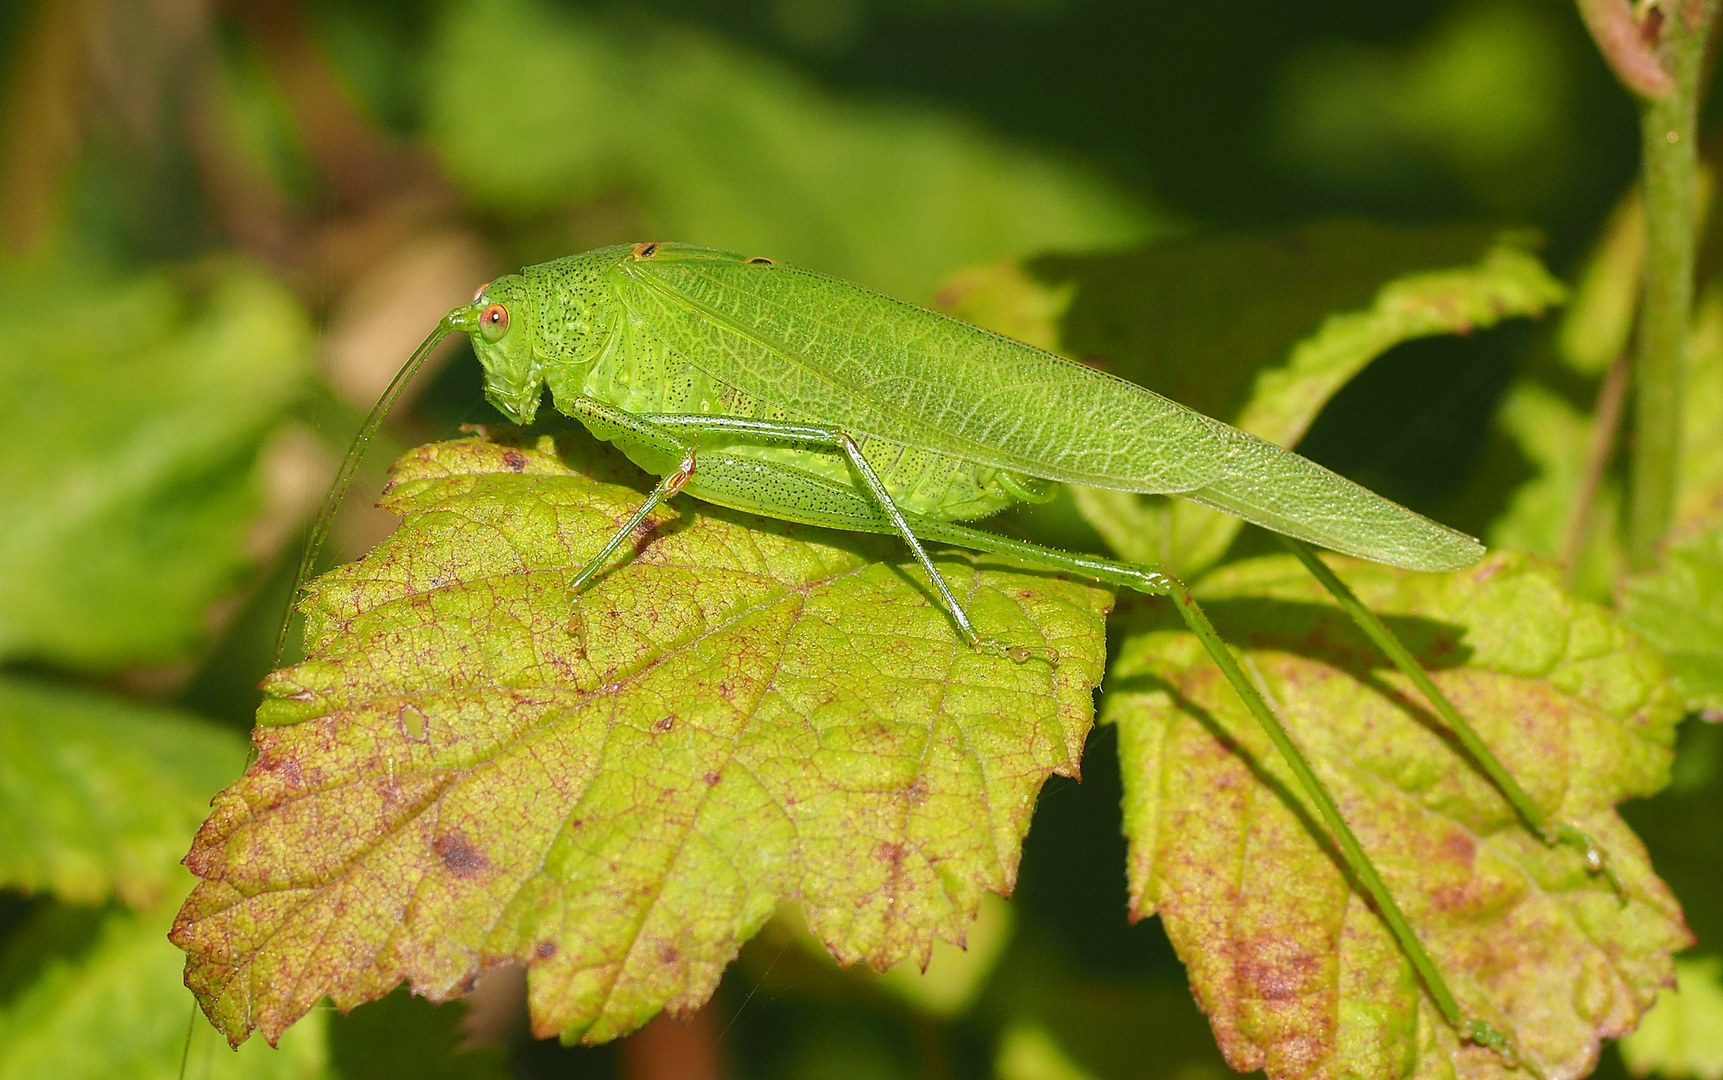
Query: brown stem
41	120
1605	426
668	1048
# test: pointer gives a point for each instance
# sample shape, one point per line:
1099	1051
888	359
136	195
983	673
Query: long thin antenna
350	466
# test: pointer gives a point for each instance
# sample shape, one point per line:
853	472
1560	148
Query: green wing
827	351
1290	494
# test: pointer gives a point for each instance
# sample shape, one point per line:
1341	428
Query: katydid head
499	321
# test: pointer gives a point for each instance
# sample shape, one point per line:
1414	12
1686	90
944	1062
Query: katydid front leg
676	431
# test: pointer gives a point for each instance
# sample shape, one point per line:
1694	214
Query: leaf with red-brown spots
1298	974
473	767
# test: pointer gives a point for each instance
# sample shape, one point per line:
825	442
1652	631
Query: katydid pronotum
771	389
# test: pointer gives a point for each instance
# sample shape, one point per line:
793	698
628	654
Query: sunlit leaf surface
1298	975
617	790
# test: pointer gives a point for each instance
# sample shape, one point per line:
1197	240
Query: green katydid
775	390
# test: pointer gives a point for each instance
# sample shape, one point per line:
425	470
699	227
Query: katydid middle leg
747	428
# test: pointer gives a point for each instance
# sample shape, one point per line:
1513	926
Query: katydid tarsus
762	387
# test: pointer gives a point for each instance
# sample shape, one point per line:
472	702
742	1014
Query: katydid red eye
494	322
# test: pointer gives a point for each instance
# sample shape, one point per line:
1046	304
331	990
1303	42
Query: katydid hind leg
1357	861
882	498
1566	833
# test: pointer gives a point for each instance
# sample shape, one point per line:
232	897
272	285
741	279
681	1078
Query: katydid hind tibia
766	388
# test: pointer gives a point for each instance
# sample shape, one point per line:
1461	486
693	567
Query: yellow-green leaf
617	790
1297	973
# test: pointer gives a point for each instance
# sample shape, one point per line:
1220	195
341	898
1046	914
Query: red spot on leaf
889	852
515	460
665	724
1459	847
1275	969
712	778
544	950
459	856
287	768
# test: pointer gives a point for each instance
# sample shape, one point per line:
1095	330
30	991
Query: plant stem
1668	141
1605	426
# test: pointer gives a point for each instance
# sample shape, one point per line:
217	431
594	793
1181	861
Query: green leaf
1296	972
98	796
1028	1051
117	1008
1259	331
743	714
1554	437
134	415
533	108
1678	607
1598	324
1681	1038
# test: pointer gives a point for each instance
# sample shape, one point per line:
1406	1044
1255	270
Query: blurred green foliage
186	190
135	412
